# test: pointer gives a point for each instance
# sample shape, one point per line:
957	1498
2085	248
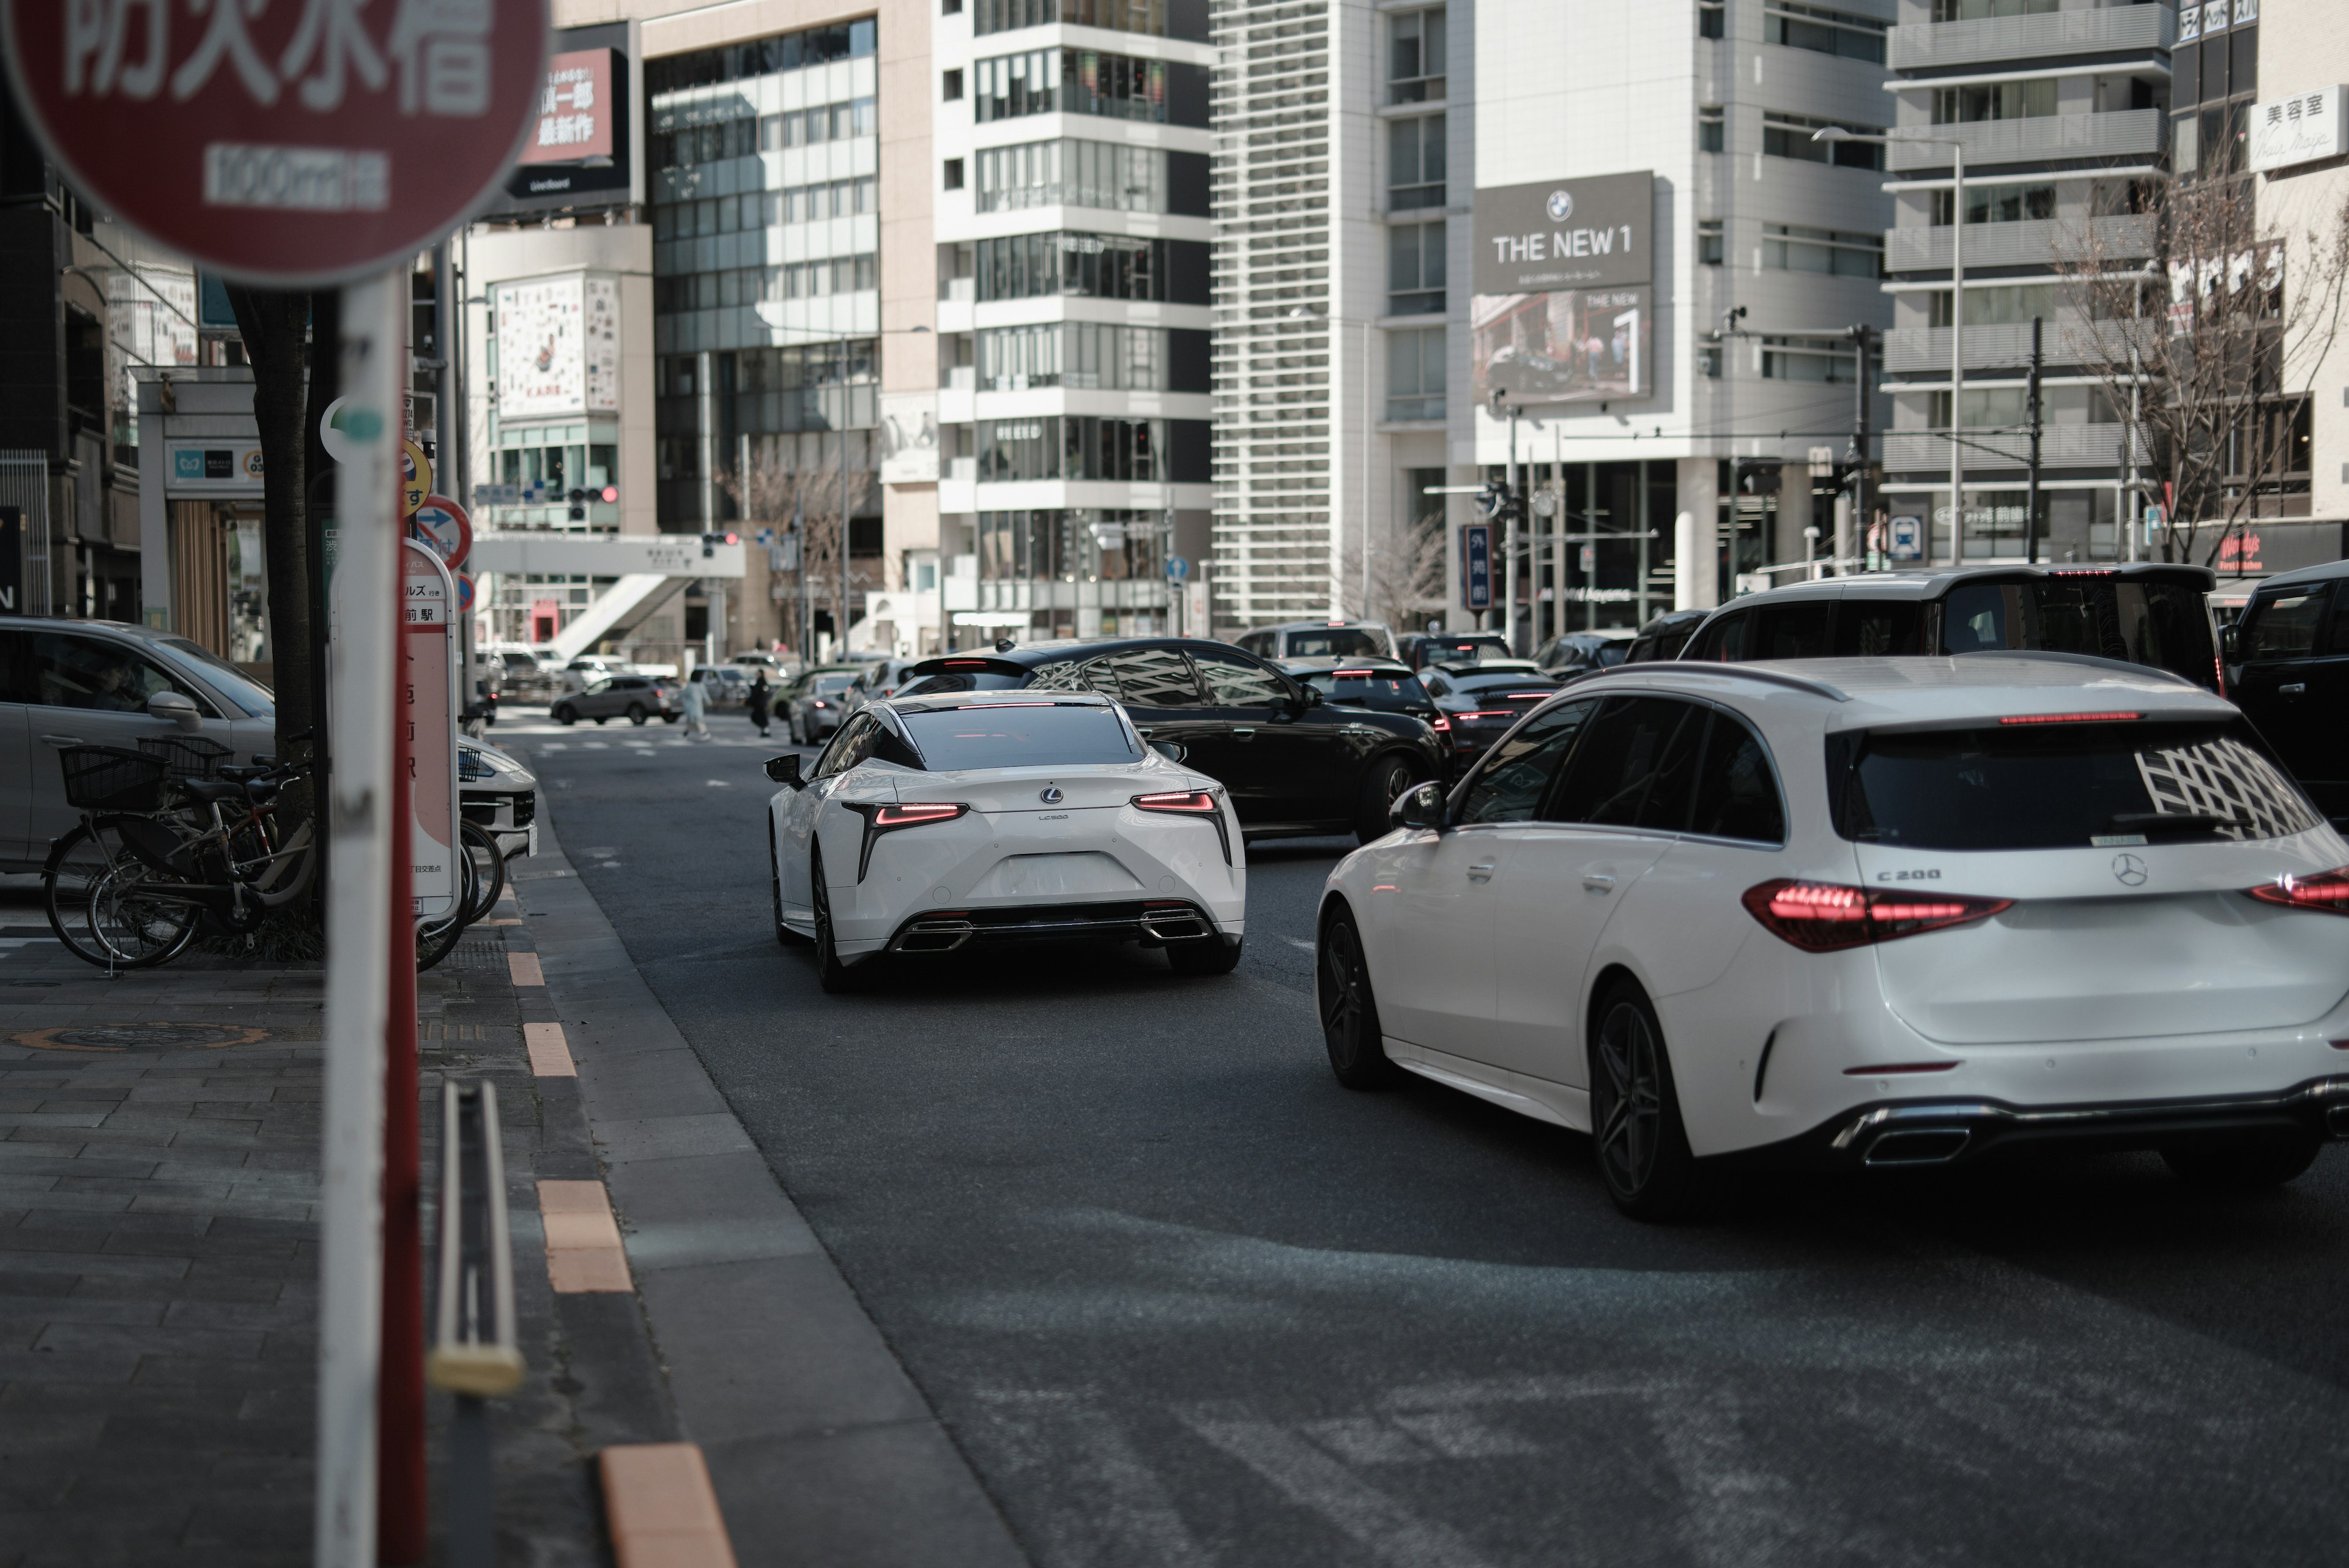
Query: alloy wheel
1629	1127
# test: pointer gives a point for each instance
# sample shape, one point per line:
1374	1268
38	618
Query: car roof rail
2094	661
1717	667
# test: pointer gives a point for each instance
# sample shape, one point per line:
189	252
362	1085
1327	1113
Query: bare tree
807	508
1406	576
2209	350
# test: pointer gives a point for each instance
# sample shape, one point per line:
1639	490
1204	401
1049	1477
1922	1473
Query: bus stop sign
294	143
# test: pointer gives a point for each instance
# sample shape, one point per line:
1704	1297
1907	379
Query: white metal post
358	819
1957	352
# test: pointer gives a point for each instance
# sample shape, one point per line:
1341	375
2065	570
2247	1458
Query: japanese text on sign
439	49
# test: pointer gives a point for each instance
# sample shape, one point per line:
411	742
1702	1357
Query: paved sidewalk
158	1267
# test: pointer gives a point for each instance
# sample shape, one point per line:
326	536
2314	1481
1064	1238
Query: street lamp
1835	133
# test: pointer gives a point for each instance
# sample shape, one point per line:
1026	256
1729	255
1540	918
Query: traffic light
578	499
710	542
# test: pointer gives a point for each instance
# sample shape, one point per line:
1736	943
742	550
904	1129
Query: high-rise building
2063	115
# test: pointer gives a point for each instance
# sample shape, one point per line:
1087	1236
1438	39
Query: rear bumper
1912	1133
1155	922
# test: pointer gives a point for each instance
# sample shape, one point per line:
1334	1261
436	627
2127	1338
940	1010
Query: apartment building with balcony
2062	110
1344	159
1070	274
1742	421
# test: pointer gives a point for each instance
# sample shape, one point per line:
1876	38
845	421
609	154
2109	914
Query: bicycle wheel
435	942
151	929
489	871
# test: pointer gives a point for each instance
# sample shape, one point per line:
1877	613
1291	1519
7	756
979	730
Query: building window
1787	248
1998	204
1072	447
1106	545
1823	31
1415	269
953	87
1121	15
760	57
1415	359
1993	100
1087	355
1827	359
949	7
1709	242
1415	162
1415	57
1105	174
1712	19
953	174
1092	266
1708	360
1089	81
1711	128
1789	136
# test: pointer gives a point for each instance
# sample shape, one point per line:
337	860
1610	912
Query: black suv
2140	614
2288	668
1294	764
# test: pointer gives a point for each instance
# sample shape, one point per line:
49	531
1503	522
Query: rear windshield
2142	620
1015	736
1383	688
1335	642
1504	681
2048	786
962	681
1466	652
826	684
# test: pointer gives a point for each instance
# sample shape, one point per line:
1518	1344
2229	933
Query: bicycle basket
187	756
107	778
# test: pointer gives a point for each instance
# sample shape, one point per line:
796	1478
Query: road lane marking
1124	1512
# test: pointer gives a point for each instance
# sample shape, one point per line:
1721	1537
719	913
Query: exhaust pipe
2337	1121
934	937
1926	1146
1175	925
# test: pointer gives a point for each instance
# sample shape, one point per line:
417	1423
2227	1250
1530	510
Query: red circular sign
283	142
442	525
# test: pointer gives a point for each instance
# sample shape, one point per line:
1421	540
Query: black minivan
2288	670
2148	613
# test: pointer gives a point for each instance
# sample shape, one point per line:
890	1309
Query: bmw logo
1561	206
1049	795
2128	870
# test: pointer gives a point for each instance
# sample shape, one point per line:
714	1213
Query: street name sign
292	143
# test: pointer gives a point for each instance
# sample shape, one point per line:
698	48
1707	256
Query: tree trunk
276	328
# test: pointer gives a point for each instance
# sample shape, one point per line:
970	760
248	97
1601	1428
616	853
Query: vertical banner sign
1476	566
428	695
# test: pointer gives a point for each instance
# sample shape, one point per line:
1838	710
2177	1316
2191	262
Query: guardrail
474	1353
2053	33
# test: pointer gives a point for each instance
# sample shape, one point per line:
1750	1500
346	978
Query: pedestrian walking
762	698
696	701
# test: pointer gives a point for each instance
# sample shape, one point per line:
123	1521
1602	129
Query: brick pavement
157	1265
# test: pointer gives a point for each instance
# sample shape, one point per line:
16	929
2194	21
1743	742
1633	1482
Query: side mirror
1421	806
2230	644
1170	751
785	770
178	709
1313	698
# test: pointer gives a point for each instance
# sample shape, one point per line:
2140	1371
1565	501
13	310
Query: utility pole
2030	494
1863	338
1510	508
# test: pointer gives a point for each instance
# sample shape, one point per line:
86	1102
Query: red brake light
915	815
1493	712
2327	890
1196	801
965	664
1351	674
1825	916
2070	718
1443	725
1528	696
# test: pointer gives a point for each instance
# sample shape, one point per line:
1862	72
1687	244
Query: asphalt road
1184	1301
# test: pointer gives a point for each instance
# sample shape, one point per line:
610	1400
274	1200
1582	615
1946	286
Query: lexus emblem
2128	870
1051	795
1561	206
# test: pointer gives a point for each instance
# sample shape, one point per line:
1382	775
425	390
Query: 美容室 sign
287	143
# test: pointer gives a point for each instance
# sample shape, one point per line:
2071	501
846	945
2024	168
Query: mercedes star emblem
1051	795
2128	870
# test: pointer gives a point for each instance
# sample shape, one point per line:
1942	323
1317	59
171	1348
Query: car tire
2250	1164
784	935
565	714
1383	784
1211	956
836	978
668	718
637	714
600	718
1635	1115
1349	1008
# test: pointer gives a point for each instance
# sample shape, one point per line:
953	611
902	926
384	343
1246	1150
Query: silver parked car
103	683
635	698
498	795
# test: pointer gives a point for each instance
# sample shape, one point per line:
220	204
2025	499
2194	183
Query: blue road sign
1177	569
1476	566
1908	539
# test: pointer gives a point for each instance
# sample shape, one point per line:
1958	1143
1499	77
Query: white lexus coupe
930	823
1862	912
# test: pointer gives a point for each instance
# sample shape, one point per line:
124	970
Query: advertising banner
1564	307
581	150
909	438
558	346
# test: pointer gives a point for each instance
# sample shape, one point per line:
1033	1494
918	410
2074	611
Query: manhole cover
140	1037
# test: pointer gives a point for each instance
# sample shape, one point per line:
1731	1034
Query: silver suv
635	698
101	683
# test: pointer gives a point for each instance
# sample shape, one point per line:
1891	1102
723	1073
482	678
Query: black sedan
1423	650
1382	685
1479	701
1295	763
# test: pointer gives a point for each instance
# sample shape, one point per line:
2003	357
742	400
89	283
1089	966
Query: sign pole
360	820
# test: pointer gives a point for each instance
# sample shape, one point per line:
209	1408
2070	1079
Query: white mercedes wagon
1862	912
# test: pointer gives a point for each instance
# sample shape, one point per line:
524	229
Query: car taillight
915	816
1192	801
2327	890
1443	725
1492	713
818	702
1827	917
2114	718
